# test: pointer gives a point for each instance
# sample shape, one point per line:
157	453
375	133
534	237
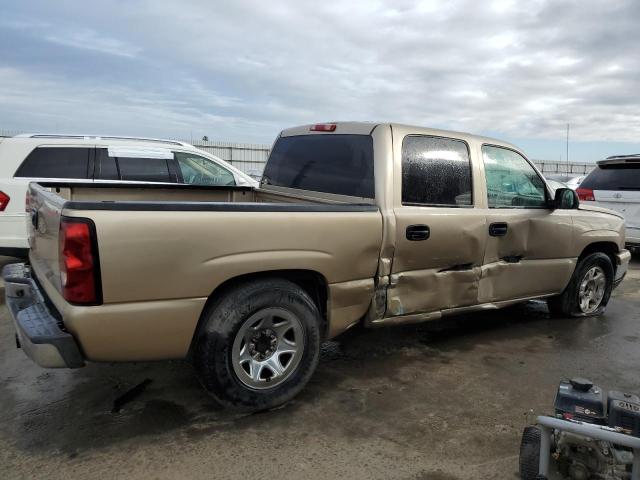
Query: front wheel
589	289
259	344
530	453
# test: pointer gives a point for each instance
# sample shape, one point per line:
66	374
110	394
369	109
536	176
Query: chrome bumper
622	264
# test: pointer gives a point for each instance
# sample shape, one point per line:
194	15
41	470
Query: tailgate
44	209
623	201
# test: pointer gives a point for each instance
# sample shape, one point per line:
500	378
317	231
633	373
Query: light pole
567	150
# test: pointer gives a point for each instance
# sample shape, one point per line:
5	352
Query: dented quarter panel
348	302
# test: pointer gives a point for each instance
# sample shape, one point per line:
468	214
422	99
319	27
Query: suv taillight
4	201
79	266
585	194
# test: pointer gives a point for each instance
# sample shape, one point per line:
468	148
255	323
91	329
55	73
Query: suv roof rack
620	159
101	137
632	155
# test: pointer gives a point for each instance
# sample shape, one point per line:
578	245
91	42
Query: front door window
197	170
511	181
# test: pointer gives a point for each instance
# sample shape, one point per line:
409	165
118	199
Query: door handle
415	233
498	229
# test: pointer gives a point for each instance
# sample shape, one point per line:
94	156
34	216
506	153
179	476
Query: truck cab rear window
339	164
55	162
618	176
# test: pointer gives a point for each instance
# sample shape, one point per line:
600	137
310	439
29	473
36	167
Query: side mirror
565	199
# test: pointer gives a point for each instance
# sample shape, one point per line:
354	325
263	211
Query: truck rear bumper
37	328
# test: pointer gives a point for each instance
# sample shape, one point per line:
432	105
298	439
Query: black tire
567	303
221	322
530	453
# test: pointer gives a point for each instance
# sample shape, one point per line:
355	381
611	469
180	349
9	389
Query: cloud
246	69
90	40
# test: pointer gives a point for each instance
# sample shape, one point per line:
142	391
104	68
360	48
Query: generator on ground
593	435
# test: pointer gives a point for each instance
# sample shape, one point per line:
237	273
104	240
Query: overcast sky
242	71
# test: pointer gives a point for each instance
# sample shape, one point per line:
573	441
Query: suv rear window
340	164
55	162
621	176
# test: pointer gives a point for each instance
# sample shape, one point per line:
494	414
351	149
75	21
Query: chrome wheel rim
592	289
267	348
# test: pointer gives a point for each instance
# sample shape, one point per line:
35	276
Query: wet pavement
439	401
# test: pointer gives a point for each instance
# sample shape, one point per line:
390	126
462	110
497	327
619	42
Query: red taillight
585	194
4	201
323	127
567	416
78	261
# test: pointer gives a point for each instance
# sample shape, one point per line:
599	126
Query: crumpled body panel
439	290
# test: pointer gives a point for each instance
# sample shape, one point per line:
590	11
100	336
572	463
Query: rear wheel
530	453
589	289
259	344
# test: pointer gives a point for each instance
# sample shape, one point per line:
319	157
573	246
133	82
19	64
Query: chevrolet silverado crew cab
379	224
101	159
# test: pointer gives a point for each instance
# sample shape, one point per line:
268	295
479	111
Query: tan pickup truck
381	224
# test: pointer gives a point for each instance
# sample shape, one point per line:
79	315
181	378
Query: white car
615	184
80	158
574	183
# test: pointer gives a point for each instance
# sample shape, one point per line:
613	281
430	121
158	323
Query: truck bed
149	196
164	249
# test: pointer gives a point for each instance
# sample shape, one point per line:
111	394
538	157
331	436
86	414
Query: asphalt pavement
439	401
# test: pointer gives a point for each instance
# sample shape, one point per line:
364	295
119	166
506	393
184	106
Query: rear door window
138	169
56	162
622	176
339	164
435	171
106	166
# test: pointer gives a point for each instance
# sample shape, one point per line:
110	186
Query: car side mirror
565	199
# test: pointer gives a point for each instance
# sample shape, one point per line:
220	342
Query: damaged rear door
440	235
529	245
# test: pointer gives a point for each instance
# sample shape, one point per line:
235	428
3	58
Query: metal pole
568	150
545	450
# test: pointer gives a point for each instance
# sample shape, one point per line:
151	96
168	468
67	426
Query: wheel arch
312	282
608	248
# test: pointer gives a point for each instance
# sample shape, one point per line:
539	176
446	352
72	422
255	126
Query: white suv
615	184
79	158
